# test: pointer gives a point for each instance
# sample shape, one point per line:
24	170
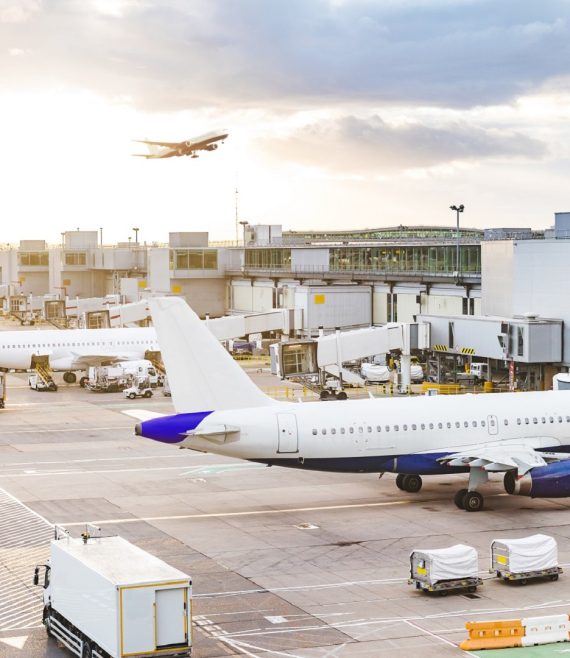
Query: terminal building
501	287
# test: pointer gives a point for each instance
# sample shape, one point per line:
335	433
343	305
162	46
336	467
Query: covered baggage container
445	569
525	557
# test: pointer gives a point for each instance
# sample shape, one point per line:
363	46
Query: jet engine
550	481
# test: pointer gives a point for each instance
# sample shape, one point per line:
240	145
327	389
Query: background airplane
526	436
189	147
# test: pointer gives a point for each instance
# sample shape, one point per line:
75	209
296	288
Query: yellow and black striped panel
467	350
440	348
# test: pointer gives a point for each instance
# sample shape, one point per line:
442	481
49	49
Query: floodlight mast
458	209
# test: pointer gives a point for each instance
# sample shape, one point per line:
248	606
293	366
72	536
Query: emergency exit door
288	438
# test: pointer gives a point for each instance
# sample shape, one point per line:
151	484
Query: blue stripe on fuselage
172	429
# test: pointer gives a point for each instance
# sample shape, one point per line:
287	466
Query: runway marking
103	459
69	429
77	471
214	515
25	536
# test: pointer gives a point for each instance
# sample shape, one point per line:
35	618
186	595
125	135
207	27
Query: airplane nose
138	429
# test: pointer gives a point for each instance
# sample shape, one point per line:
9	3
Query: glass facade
390	233
33	258
75	258
425	258
268	259
193	259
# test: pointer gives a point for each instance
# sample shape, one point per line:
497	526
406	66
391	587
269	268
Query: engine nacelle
550	481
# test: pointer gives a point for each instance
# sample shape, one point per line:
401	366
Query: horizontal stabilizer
142	414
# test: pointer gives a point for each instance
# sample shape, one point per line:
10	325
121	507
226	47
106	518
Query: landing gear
473	501
69	377
411	483
458	498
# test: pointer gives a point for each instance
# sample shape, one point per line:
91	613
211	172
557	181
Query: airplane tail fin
201	374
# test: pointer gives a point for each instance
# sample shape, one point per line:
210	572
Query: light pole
458	209
136	230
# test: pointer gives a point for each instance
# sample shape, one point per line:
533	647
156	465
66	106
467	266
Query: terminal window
33	257
75	258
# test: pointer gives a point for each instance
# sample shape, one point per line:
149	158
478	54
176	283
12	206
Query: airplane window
361	430
351	430
535	420
414	427
314	432
568	419
369	429
387	428
396	428
519	421
551	419
457	423
431	426
342	430
323	431
526	421
448	425
440	426
543	419
474	423
423	426
405	428
379	428
333	431
465	423
559	419
505	422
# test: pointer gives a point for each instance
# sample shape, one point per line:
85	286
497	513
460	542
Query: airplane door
492	424
288	438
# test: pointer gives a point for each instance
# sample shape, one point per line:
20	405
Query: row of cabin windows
447	425
82	344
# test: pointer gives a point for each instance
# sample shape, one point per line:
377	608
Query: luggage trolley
445	570
525	558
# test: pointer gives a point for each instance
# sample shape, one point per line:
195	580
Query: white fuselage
74	349
363	432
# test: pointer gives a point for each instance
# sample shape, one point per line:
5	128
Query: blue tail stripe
172	429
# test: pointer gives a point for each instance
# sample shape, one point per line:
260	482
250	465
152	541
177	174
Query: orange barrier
493	635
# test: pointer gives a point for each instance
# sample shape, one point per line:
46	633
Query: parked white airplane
189	147
74	349
220	410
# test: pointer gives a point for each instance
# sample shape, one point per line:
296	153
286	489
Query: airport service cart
525	558
445	570
106	598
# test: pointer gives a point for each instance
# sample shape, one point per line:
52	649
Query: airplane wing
498	459
81	361
170	145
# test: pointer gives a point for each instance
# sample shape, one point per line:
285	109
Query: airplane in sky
219	409
74	349
189	147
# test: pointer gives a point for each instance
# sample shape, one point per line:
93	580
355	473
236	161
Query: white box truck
106	598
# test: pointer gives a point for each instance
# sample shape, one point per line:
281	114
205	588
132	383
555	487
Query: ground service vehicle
106	598
525	558
38	384
375	374
139	390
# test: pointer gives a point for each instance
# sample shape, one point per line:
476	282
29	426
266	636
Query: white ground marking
246	513
16	642
24	542
68	429
77	471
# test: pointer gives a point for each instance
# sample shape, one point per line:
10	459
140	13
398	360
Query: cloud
356	145
175	54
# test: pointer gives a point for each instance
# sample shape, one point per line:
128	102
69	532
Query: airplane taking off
74	349
189	147
220	410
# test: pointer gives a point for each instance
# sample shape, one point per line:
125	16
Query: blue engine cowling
550	481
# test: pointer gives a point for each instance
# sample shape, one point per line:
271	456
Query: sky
341	114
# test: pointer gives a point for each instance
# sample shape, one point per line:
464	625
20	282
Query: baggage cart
445	570
525	558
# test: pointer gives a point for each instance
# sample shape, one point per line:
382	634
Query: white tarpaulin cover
457	561
532	553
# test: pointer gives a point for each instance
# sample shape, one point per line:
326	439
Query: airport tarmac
284	562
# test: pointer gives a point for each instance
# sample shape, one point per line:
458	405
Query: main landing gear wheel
473	501
459	497
410	483
400	481
69	377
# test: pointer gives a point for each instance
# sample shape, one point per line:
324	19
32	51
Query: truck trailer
106	598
